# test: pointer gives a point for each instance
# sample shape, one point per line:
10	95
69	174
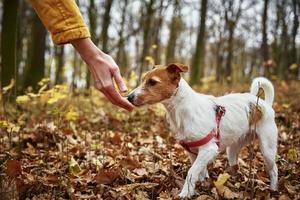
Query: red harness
215	133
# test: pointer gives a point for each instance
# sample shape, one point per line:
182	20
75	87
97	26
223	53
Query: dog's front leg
198	171
192	160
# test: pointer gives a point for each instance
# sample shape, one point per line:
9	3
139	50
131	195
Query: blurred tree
175	29
35	68
157	34
147	22
264	44
9	41
284	41
75	70
296	10
59	52
197	71
121	53
105	25
232	15
92	14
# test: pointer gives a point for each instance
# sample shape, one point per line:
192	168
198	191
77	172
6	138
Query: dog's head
157	84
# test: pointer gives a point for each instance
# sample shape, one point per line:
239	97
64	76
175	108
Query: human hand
104	70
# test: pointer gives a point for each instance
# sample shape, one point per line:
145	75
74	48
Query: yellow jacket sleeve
62	18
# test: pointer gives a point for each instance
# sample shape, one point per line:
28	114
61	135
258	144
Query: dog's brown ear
177	67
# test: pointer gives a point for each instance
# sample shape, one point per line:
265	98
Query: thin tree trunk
197	71
158	28
92	14
146	34
105	25
296	9
175	27
36	60
75	70
59	58
264	45
231	18
219	61
228	67
9	41
121	55
284	43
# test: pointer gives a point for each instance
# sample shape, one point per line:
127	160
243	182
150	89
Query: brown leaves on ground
13	168
58	146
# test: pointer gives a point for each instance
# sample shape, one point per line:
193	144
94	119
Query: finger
104	92
119	80
121	101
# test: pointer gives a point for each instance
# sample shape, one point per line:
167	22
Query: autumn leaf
133	186
22	99
204	197
150	60
72	114
140	171
13	168
52	179
74	167
292	154
293	66
106	176
226	193
222	178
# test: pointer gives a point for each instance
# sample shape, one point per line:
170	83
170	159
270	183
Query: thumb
119	80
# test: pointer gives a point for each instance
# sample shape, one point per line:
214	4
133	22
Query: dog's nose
130	97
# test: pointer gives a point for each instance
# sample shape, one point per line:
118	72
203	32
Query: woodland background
60	138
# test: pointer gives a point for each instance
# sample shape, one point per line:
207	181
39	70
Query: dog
206	125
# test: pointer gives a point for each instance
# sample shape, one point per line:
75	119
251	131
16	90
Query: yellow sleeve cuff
72	34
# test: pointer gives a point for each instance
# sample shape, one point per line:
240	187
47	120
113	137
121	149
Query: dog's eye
152	82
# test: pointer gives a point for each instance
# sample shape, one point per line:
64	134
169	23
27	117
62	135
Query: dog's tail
261	83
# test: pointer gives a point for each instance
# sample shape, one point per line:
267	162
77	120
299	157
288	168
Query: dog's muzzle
130	97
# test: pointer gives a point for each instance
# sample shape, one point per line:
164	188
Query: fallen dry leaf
222	178
106	176
226	193
13	168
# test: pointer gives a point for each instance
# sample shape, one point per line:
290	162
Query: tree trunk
75	70
219	60
59	59
284	43
147	26
105	25
9	41
92	14
197	71
228	67
296	9
36	60
175	27
121	54
264	44
232	16
157	35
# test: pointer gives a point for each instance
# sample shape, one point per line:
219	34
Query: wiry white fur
192	116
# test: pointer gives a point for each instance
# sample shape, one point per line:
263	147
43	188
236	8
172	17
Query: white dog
206	125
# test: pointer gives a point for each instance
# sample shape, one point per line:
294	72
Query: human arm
66	25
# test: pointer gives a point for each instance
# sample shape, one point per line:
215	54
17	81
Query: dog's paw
186	194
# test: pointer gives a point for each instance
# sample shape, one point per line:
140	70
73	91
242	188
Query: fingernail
123	88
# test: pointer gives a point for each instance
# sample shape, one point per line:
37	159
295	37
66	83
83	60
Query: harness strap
215	133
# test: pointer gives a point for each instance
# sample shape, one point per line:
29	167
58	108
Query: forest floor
55	144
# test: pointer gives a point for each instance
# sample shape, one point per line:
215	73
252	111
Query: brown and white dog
200	126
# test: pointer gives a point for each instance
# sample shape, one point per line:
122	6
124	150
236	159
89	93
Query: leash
214	133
